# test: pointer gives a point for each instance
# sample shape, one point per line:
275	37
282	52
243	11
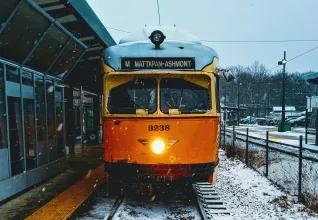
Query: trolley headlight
158	146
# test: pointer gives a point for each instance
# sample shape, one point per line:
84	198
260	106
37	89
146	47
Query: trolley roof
172	34
178	46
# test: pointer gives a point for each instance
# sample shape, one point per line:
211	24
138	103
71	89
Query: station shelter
50	87
312	78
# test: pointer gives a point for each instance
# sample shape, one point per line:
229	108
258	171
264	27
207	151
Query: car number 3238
159	128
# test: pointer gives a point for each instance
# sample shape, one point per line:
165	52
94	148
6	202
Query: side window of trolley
186	96
139	93
217	92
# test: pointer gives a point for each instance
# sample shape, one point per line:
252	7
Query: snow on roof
171	33
287	108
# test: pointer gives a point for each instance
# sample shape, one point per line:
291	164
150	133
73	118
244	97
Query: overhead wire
294	58
158	12
231	41
236	41
303	54
115	29
258	41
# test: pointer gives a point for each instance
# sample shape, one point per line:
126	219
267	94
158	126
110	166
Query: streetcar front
161	111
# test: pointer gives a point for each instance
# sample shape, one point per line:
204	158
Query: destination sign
174	63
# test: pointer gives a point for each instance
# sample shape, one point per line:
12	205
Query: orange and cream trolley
161	110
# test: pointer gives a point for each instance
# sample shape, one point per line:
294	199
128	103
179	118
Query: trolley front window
188	97
140	93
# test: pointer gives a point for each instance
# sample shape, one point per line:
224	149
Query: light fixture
282	62
157	38
158	146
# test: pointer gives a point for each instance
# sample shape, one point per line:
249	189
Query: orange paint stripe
62	206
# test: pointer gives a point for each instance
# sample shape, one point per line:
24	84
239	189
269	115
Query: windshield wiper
139	106
180	100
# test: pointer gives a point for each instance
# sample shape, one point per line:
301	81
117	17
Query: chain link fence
293	168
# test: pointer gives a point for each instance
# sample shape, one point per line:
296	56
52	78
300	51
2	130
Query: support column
69	122
97	117
82	118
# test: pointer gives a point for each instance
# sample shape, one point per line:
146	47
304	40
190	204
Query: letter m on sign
127	63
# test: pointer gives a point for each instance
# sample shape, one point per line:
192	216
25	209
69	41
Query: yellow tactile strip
62	206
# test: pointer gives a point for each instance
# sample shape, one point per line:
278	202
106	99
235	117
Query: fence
293	168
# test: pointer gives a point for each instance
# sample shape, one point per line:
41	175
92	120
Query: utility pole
283	126
238	105
283	95
225	110
268	109
257	104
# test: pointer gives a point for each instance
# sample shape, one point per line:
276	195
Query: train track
210	206
112	212
210	203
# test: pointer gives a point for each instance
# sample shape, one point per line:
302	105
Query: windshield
188	97
135	94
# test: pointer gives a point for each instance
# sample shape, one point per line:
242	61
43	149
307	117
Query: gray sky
227	20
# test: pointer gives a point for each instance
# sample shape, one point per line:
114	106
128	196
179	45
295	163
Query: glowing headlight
157	146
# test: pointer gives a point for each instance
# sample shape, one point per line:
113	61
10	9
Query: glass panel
40	120
190	98
51	120
67	59
3	124
13	75
29	127
59	121
22	33
90	125
48	49
6	9
90	120
135	94
15	123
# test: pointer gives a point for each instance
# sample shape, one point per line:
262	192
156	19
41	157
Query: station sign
173	63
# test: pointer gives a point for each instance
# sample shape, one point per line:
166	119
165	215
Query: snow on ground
157	210
179	206
247	195
250	196
283	168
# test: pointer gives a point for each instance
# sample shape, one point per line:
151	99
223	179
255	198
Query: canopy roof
311	78
287	108
55	37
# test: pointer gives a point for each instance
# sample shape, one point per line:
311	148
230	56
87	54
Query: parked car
272	122
260	121
291	117
304	113
300	121
250	120
243	121
247	120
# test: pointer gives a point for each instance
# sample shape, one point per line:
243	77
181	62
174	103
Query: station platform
60	196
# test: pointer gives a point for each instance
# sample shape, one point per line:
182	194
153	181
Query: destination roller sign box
158	63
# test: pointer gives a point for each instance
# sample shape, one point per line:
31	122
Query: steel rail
119	200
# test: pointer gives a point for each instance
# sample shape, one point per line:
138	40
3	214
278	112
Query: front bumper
127	171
